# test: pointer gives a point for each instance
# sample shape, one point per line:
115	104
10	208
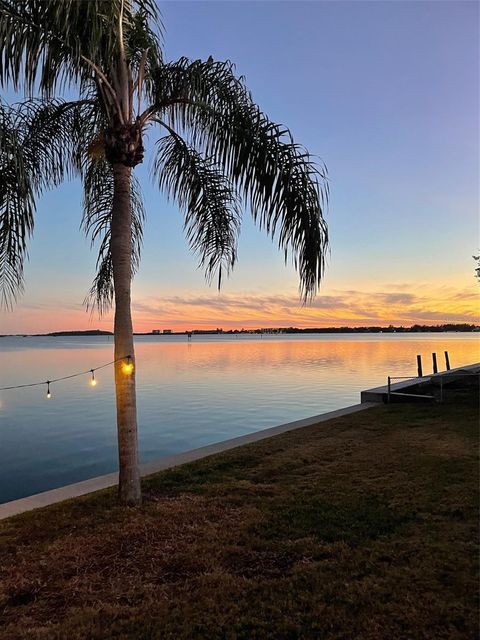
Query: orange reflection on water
325	356
320	357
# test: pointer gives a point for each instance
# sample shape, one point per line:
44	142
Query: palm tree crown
216	154
216	150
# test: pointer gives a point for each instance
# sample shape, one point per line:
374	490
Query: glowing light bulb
93	382
127	367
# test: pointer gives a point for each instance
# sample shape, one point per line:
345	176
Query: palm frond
286	190
41	144
97	216
183	83
140	36
49	42
57	134
209	201
17	205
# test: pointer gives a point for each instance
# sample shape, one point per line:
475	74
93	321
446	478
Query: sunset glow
397	304
402	236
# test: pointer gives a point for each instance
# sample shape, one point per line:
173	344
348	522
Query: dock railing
425	380
391	393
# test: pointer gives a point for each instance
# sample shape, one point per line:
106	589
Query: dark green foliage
278	178
46	43
38	149
218	153
17	205
212	217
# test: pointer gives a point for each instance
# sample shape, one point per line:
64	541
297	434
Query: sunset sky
386	93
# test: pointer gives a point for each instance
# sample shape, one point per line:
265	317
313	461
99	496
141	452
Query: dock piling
434	360
447	361
419	366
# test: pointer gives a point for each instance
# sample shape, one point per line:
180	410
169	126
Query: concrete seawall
46	498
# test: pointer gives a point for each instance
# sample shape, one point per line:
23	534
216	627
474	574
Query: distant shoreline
444	328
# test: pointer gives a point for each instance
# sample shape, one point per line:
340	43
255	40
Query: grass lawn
364	527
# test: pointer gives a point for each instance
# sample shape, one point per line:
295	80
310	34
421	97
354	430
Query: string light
127	368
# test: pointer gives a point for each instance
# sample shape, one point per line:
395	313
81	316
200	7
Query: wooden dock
419	389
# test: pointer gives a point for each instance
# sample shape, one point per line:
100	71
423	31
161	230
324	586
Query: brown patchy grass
364	527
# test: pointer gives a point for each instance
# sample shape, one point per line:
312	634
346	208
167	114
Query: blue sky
386	93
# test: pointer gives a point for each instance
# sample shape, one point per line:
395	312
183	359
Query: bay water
189	393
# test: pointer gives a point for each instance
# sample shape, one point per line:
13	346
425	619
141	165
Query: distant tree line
416	328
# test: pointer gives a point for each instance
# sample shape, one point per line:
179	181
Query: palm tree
216	154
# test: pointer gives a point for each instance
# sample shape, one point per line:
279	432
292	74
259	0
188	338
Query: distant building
156	332
167	331
206	331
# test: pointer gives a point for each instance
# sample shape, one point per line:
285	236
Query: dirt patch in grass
364	527
450	445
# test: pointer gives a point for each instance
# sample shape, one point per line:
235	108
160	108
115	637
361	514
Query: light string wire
73	375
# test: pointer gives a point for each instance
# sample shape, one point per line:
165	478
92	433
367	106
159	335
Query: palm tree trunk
121	249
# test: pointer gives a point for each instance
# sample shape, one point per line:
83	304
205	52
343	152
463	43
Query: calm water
189	394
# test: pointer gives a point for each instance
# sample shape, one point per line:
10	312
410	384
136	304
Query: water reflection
189	393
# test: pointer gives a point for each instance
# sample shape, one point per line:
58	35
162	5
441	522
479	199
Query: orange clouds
340	308
399	304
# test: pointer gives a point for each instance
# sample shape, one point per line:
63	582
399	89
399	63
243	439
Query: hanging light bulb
93	382
49	395
128	366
